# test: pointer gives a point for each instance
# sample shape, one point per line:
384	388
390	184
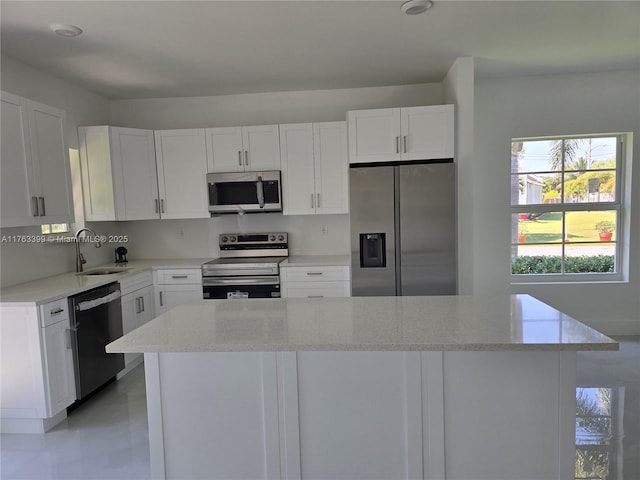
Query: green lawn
580	227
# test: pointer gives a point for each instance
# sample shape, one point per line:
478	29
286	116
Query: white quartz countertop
59	286
508	322
317	261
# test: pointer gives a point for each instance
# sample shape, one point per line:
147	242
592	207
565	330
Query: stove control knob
272	238
281	238
224	239
233	238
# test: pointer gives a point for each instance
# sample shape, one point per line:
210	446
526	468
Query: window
51	228
566	208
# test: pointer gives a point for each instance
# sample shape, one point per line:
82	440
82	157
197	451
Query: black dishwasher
96	321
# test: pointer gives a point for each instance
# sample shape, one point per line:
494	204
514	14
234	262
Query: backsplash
308	234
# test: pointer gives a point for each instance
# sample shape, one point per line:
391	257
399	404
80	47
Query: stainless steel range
248	267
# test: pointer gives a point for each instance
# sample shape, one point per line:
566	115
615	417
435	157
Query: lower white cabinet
37	379
176	286
137	309
315	282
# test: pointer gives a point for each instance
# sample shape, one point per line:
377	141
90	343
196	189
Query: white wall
267	108
552	105
24	262
459	90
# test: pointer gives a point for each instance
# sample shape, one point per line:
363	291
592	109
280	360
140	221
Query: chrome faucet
79	257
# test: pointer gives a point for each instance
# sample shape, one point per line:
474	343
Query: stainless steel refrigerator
403	229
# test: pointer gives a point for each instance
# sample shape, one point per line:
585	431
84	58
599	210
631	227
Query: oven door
240	287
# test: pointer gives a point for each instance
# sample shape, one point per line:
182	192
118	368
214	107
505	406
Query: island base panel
361	415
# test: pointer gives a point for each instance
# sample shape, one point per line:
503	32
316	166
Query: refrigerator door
427	229
372	231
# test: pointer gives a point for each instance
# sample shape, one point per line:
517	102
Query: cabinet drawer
135	282
317	290
54	312
315	274
180	275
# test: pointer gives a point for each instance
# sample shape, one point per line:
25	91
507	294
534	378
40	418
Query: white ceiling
146	49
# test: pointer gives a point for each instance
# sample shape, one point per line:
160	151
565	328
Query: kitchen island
455	387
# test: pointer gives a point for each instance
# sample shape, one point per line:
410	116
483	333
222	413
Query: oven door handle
226	281
248	271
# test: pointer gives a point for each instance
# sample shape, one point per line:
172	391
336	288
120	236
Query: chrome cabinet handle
239	158
397	144
43	211
314	273
179	276
34	207
141	304
246	157
315	296
161	303
312	202
138	305
404	139
162	205
318	201
157	205
56	311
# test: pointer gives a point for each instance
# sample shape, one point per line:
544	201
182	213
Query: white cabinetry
239	149
134	174
181	158
118	173
36	176
176	286
37	374
401	134
314	168
315	282
137	308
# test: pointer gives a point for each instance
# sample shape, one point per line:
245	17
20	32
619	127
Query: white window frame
617	205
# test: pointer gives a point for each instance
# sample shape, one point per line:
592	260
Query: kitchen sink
105	271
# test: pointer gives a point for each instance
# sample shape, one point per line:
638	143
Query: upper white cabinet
239	149
314	168
36	175
400	134
181	158
118	173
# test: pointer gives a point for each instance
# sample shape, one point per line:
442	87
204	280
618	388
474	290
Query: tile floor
107	437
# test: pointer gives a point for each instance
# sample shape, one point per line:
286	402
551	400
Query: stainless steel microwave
244	192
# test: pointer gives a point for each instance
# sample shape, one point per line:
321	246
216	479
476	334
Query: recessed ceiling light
414	7
65	30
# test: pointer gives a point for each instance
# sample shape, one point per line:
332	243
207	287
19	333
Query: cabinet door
170	296
147	307
298	195
60	380
331	167
224	149
261	147
130	311
52	171
136	184
97	174
18	209
427	132
374	135
181	159
316	289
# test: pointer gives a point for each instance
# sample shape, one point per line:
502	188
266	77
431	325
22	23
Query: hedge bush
552	264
